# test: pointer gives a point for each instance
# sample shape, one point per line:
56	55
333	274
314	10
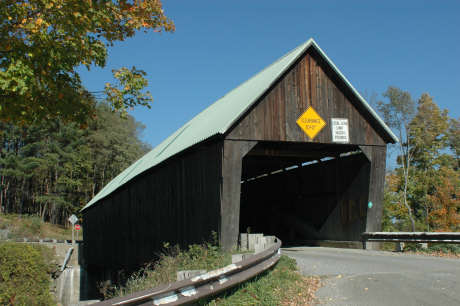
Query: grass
434	249
282	285
25	274
24	226
164	270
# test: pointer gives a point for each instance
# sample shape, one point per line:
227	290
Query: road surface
364	277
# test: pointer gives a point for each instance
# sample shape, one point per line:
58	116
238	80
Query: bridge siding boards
198	191
377	157
274	117
178	202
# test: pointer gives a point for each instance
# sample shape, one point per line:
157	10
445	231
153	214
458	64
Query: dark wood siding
310	82
233	153
326	200
178	202
377	156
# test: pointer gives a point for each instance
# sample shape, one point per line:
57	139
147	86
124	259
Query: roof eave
392	136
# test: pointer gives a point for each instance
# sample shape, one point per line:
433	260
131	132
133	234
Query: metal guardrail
208	284
44	240
439	237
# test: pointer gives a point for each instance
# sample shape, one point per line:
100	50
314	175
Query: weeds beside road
281	285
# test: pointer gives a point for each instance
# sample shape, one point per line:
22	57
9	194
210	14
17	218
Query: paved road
364	277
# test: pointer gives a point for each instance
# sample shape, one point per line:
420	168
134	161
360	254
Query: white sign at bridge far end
340	130
73	219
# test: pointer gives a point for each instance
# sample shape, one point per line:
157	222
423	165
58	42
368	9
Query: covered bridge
295	151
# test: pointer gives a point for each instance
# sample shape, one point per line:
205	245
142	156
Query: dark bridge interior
304	192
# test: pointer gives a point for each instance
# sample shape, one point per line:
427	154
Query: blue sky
414	45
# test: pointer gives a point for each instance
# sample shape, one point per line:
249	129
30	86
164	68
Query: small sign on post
73	219
77	228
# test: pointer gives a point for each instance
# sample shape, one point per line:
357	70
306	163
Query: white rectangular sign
340	130
73	219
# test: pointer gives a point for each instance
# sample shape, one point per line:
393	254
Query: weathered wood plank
233	153
377	156
309	82
178	202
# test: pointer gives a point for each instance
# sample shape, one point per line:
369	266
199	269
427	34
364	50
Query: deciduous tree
43	42
445	214
398	111
428	138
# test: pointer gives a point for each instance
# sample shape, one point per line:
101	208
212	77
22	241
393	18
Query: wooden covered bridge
295	152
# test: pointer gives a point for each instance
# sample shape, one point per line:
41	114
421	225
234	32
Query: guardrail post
399	246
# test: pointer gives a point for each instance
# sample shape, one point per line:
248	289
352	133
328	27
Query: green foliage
274	287
207	256
51	168
42	42
25	274
128	91
443	248
398	111
422	194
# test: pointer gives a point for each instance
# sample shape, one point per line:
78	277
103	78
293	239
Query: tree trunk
43	212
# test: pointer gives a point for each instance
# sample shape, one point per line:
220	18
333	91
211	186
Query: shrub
206	256
25	274
444	248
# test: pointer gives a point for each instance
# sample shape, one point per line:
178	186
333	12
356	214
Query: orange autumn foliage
445	214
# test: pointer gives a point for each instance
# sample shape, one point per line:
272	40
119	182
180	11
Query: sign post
77	228
73	219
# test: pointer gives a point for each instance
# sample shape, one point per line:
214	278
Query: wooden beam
233	154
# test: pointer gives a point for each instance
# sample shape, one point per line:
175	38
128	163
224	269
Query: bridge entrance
304	192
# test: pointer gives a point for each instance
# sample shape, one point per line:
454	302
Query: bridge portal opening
305	192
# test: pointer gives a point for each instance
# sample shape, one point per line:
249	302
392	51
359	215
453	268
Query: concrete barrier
186	274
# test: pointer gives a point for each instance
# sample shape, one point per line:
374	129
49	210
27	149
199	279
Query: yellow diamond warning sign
311	123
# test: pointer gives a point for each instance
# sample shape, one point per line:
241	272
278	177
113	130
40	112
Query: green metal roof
220	116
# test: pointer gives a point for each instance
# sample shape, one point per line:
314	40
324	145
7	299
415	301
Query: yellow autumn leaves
44	41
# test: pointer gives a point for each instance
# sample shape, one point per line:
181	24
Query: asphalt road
364	277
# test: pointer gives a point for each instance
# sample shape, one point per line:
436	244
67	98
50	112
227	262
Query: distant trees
424	188
52	169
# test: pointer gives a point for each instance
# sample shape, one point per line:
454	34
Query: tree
429	181
445	214
398	112
51	168
42	42
428	135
